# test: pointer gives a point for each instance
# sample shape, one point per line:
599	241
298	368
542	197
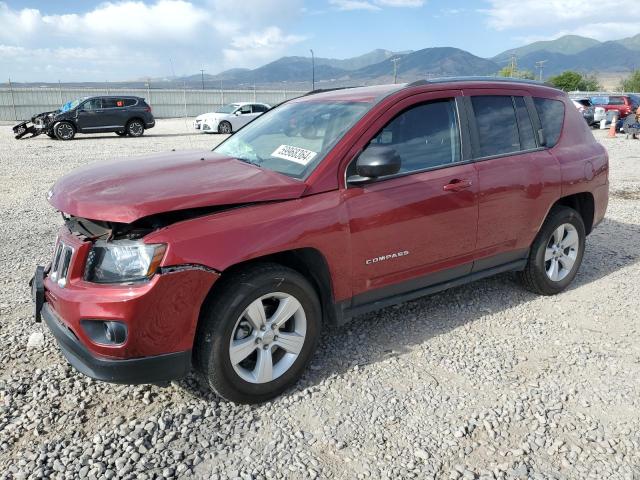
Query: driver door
243	115
89	115
418	227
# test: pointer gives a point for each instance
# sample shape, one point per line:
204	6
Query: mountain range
570	52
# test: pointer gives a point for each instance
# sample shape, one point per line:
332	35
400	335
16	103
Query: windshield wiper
251	162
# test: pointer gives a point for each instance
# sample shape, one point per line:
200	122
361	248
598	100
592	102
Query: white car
229	118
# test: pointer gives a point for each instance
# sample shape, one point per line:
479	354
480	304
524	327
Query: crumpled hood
128	189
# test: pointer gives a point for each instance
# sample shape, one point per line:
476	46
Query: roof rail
476	79
322	90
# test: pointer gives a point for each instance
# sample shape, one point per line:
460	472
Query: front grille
61	263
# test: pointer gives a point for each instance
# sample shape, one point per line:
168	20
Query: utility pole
395	69
202	75
513	65
540	66
313	71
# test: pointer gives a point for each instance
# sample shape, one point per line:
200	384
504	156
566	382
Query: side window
527	138
259	108
551	113
424	136
129	102
497	125
109	103
245	109
92	104
616	101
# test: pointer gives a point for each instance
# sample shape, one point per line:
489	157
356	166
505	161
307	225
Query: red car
326	207
623	104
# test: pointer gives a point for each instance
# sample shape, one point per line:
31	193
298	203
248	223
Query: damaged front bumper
155	321
39	124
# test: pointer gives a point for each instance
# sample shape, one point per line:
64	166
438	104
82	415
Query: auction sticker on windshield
295	154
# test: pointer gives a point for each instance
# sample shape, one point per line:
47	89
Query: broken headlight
122	261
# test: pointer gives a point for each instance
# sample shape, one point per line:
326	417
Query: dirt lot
483	381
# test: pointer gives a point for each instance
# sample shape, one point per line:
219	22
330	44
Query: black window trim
475	136
465	146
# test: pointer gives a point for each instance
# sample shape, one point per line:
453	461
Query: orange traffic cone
612	129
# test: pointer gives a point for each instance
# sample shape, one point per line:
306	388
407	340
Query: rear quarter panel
584	162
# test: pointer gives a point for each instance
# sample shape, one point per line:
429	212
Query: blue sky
130	39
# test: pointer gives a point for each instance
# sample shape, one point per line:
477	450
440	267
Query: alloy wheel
561	252
268	337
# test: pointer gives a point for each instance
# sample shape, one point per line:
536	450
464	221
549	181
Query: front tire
556	253
135	128
257	333
225	128
64	131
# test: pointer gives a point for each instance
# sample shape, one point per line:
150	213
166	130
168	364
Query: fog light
115	332
105	332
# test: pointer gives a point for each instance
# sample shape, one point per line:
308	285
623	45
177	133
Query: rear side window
425	136
259	109
129	102
616	101
551	113
110	102
497	125
527	138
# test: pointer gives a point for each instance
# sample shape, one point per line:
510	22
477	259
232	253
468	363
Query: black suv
119	114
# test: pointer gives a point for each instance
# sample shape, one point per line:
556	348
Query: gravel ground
483	381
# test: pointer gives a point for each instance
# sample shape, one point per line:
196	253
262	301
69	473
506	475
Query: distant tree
570	81
631	83
591	84
511	72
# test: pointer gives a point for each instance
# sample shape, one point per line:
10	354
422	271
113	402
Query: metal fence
22	103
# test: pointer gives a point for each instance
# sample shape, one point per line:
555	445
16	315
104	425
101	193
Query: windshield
70	105
227	109
292	139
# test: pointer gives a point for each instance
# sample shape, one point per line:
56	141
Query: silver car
229	118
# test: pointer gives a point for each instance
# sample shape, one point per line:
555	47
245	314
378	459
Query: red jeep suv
327	206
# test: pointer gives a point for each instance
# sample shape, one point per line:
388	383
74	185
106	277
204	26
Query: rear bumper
150	124
153	369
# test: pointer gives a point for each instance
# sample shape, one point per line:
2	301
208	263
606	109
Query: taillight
147	109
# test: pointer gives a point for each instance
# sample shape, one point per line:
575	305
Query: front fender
224	239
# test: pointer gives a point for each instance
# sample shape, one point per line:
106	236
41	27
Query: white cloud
128	39
601	19
373	5
259	46
353	5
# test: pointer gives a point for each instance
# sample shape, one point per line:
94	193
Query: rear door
518	178
418	227
115	112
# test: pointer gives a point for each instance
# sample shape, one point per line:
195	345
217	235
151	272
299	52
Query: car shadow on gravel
392	331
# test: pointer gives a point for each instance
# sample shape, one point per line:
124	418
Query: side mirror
374	162
237	113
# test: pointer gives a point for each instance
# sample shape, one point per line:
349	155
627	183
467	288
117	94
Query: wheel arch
135	117
584	204
309	262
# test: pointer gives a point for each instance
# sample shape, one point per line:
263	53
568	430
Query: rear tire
135	128
257	333
556	253
64	131
225	128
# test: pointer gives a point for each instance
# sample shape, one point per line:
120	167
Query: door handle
456	185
